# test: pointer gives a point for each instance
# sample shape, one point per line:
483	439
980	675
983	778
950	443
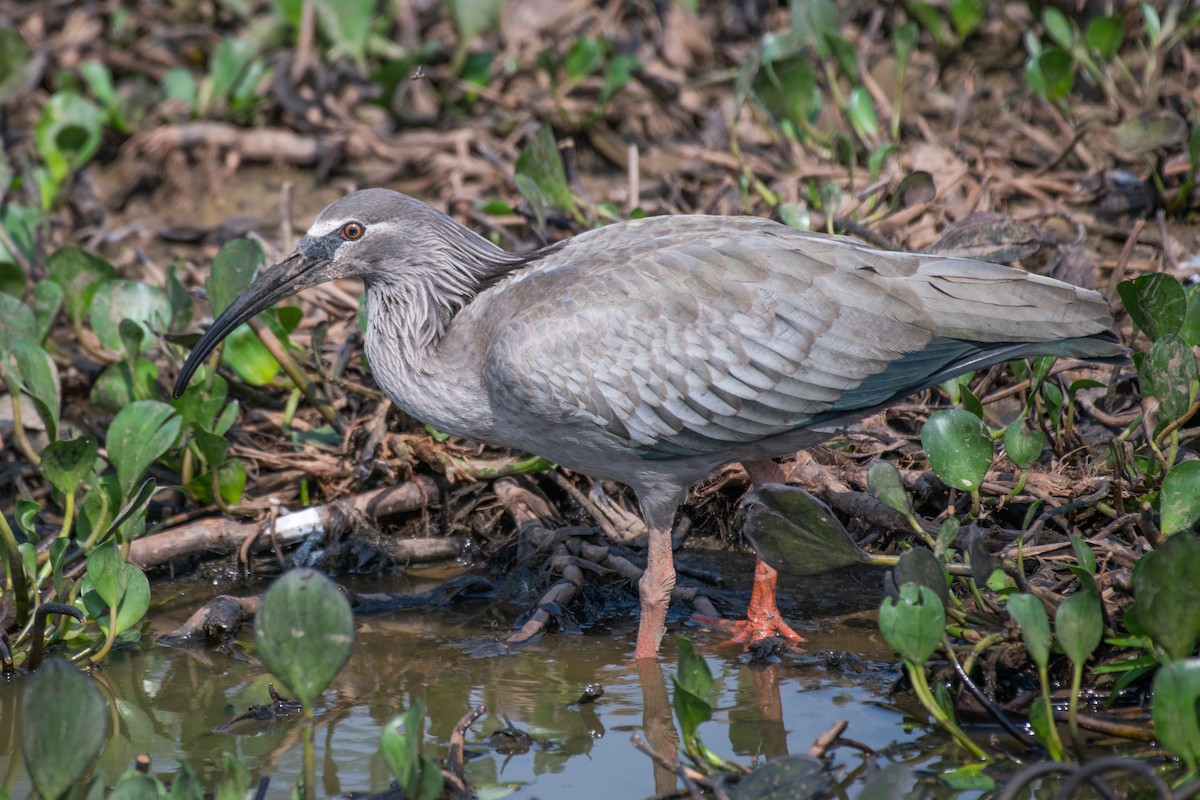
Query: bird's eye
353	230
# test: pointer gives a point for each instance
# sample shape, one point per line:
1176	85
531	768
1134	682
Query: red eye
353	230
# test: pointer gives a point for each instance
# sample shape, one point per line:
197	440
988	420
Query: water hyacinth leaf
231	480
79	272
1167	373
246	355
1023	445
138	435
1079	625
400	744
118	300
1189	331
1030	615
16	322
180	299
304	632
921	567
233	269
67	462
230	59
473	17
1058	27
1176	693
185	784
1166	586
1083	555
967	15
119	385
693	675
69	131
846	55
947	534
793	777
788	89
12	277
19	66
795	532
105	569
884	480
1156	302
969	777
958	448
136	786
862	113
64	726
47	300
40	378
913	624
1056	69
1105	35
904	41
583	58
133	605
1179	498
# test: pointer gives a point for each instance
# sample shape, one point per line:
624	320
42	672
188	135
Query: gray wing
679	342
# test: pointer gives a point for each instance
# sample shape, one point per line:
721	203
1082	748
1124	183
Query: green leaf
246	355
914	624
1057	70
1084	555
1079	625
1176	693
16	322
1152	22
231	478
118	300
1167	373
66	463
862	113
68	132
233	270
400	744
1023	445
967	15
1166	586
136	786
1160	128
1180	498
541	164
969	777
958	447
473	17
793	777
19	68
904	41
796	533
1189	331
179	84
920	566
1058	27
186	784
230	60
39	378
1156	302
1105	35
118	385
1030	615
304	632
47	300
79	272
883	479
64	727
138	436
584	57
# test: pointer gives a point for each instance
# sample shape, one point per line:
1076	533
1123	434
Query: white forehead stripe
328	226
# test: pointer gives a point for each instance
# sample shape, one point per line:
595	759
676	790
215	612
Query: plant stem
916	674
16	570
1057	752
310	758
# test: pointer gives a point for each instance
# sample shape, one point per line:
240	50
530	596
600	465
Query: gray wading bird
654	351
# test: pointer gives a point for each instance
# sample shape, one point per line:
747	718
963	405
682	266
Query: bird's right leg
657	580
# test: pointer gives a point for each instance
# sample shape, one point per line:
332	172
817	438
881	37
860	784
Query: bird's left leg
763	619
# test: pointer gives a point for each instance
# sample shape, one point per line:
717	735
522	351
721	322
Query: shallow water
167	702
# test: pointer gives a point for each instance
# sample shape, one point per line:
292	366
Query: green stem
310	759
1073	709
1057	752
16	570
916	674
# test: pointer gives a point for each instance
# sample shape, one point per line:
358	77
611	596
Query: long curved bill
298	271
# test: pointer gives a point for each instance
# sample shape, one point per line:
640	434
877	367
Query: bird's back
705	338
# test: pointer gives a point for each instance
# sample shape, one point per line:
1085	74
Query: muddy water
169	702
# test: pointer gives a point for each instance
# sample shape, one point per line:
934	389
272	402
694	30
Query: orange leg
763	619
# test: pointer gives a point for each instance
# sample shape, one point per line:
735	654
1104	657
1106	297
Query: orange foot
763	620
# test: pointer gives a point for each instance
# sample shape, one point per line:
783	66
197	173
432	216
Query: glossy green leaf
64	725
245	354
136	786
1156	302
862	113
118	385
1083	555
969	777
304	632
1023	445
958	448
920	566
1057	70
584	57
231	478
1105	35
1030	615
179	84
39	377
692	681
967	15
138	436
66	463
118	300
16	323
401	744
79	272
69	131
796	533
541	164
1166	585
884	480
1180	498
233	270
230	60
1058	27
913	625
12	277
1079	625
790	777
47	301
1167	373
1176	696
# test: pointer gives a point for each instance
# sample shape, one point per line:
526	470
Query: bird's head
369	234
